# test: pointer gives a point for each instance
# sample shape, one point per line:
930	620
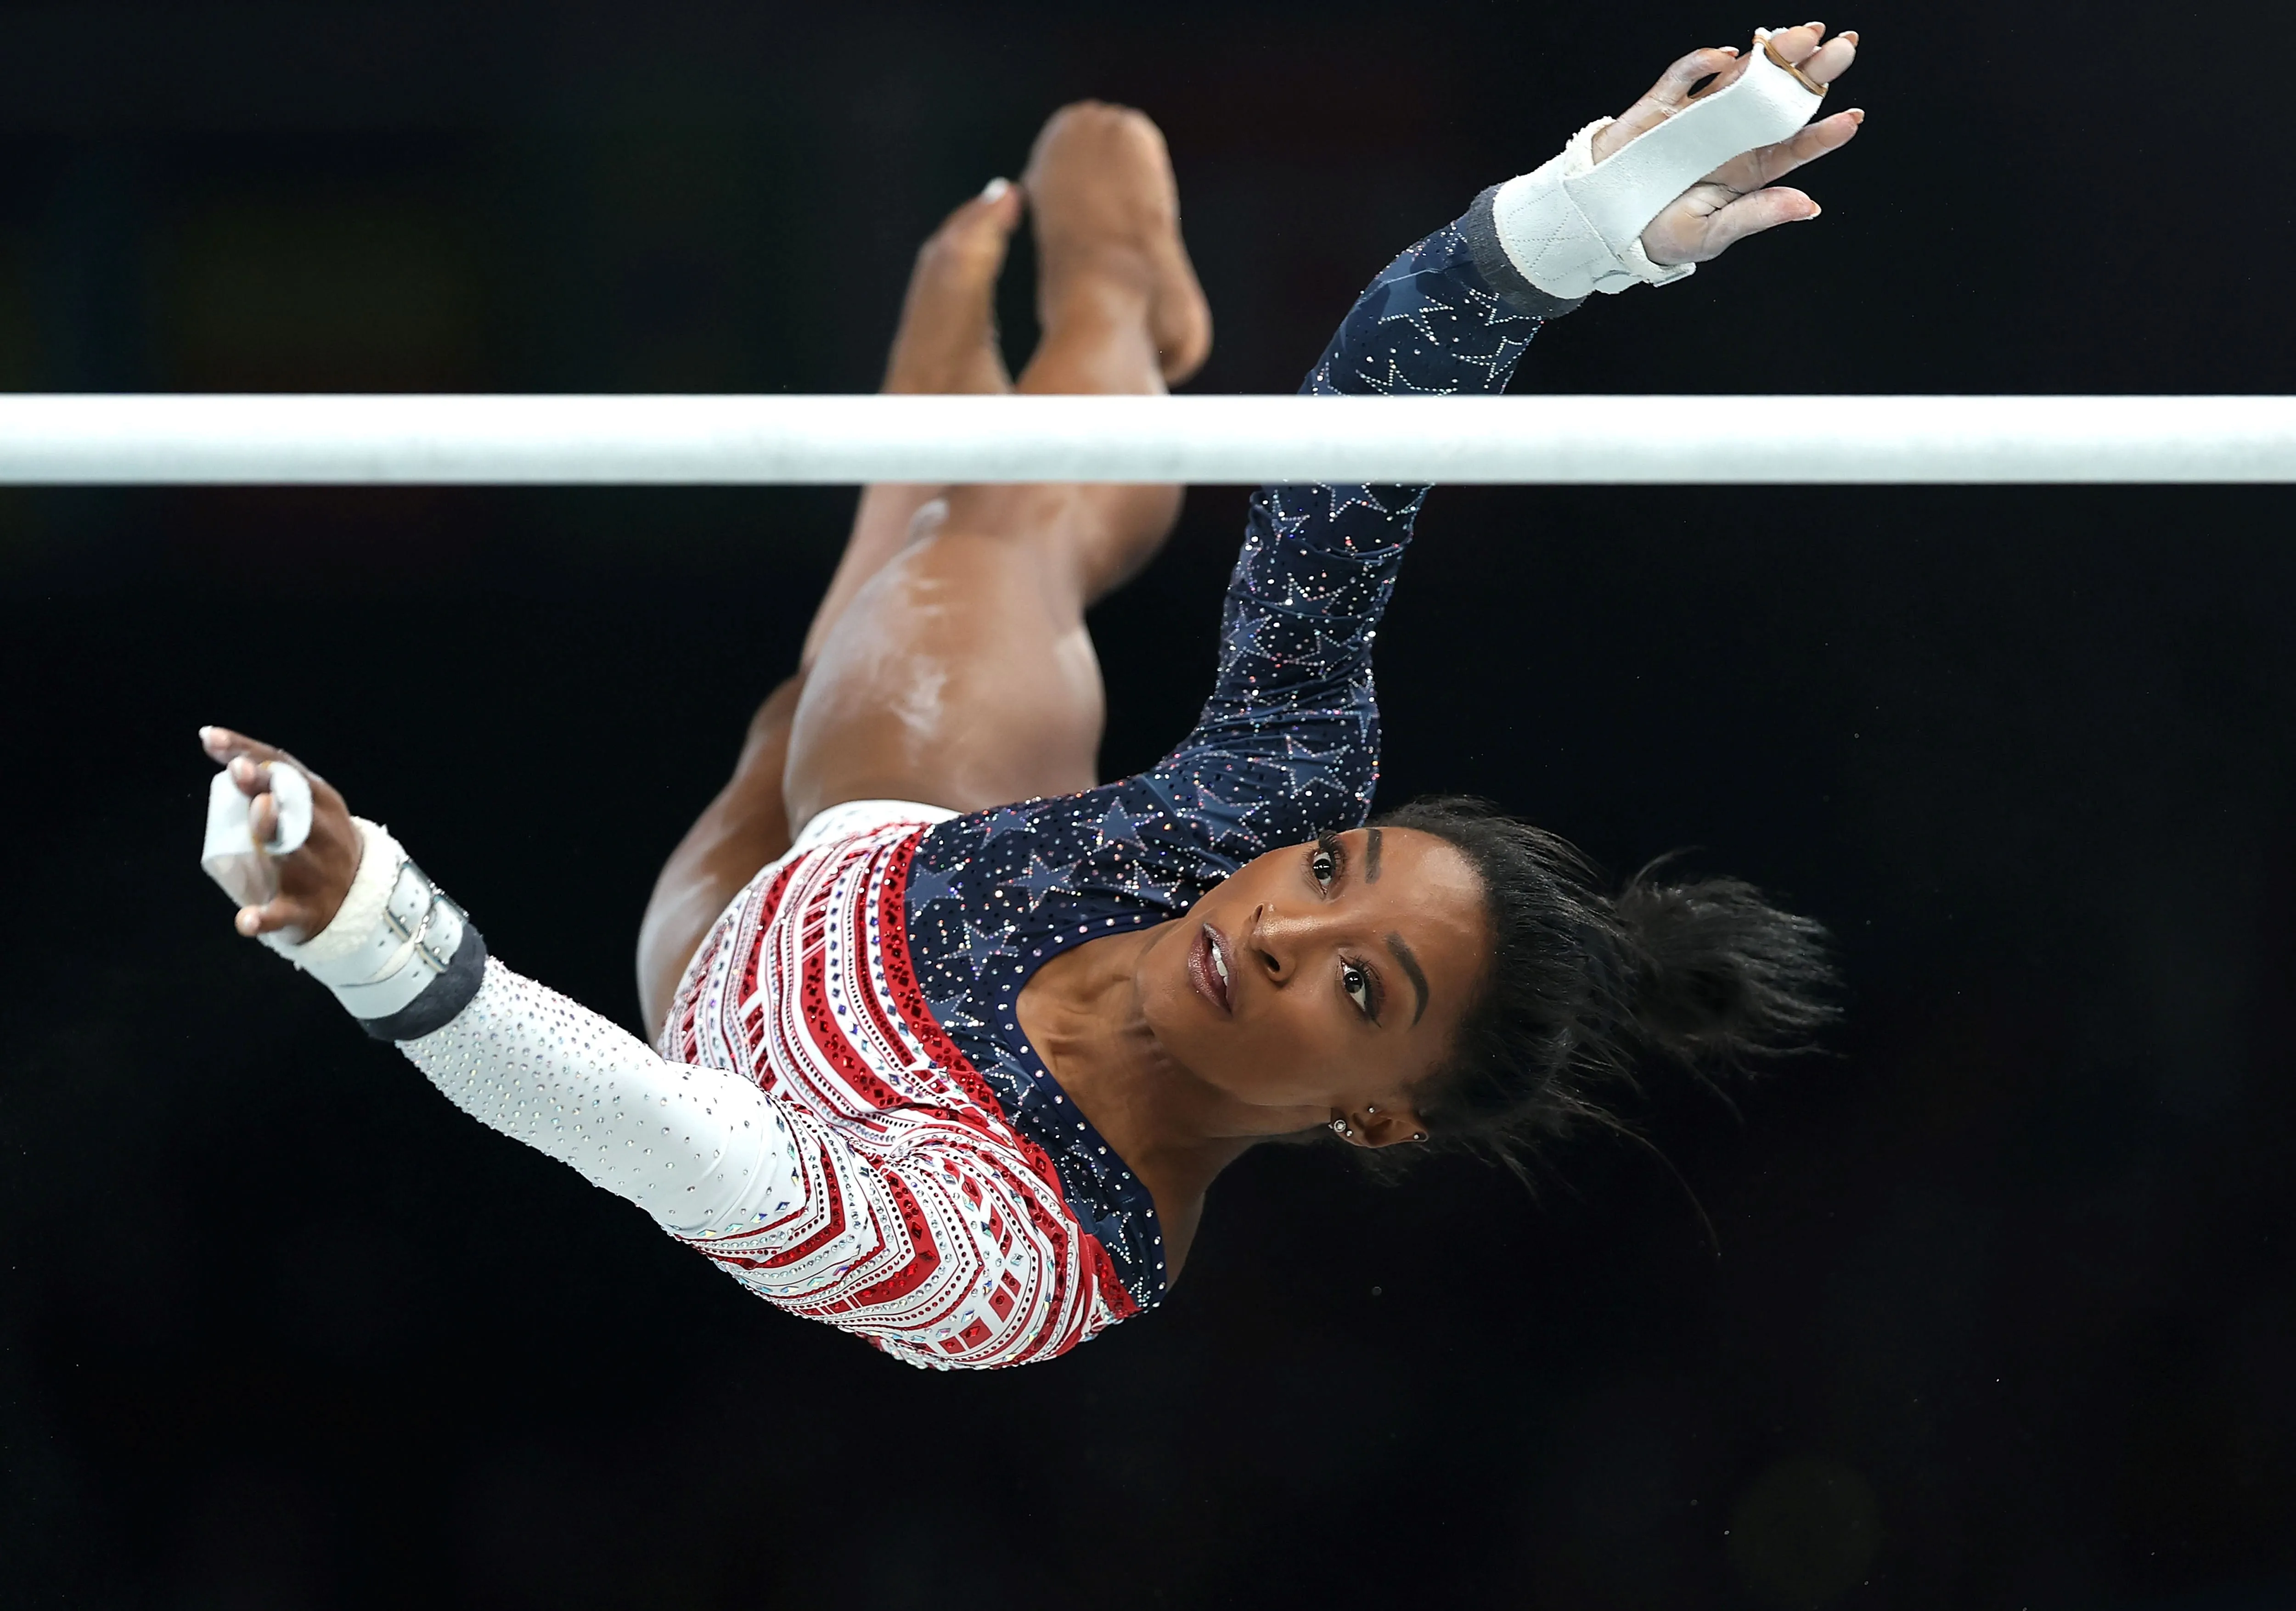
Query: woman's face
1323	978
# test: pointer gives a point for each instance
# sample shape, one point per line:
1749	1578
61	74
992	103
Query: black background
2002	1314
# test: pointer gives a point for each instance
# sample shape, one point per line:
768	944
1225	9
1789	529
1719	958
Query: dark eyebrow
1411	966
1370	859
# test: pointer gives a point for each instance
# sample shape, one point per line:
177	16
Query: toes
970	242
1076	119
946	341
996	210
1140	127
1093	132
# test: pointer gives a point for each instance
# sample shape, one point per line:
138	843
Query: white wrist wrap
393	935
1574	225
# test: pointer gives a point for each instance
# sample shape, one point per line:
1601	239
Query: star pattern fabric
1287	746
841	1111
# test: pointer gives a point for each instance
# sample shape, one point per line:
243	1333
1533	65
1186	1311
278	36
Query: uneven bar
86	439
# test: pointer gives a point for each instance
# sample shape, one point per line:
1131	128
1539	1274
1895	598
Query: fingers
252	776
1833	58
313	878
1674	85
1752	214
271	918
1670	94
247	760
1821	60
223	745
1768	163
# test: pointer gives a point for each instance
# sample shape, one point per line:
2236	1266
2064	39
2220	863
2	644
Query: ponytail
1720	974
1583	988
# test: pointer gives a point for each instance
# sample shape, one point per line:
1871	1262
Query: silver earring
1420	1136
1368	1109
1338	1126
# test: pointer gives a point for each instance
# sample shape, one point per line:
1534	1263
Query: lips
1209	969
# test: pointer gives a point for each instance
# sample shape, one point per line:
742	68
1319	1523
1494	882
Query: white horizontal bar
119	439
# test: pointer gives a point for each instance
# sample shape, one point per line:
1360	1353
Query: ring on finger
1771	49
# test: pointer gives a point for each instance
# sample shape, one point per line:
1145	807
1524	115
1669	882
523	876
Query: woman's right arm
936	1243
703	1150
700	1149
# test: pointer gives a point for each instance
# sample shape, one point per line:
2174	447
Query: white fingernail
995	189
247	919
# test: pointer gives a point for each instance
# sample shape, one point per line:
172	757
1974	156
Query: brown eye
1324	866
1356	983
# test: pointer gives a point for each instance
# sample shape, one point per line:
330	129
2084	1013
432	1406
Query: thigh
962	675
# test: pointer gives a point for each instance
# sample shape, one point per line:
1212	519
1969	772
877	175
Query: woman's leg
962	673
946	342
948	662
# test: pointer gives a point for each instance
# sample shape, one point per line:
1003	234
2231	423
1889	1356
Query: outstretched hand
313	879
1738	199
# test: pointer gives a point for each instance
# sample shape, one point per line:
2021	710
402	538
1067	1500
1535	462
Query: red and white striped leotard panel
918	1218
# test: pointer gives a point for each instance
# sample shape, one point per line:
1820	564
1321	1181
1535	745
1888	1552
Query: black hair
1584	987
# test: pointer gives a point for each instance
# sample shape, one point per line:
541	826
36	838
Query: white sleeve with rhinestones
701	1150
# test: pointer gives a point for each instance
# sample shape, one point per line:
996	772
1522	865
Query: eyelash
1327	846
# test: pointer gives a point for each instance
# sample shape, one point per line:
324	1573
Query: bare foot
947	337
1108	210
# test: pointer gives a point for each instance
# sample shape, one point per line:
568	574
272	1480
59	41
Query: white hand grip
231	856
1574	225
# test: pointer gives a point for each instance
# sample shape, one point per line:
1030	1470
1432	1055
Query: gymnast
952	1065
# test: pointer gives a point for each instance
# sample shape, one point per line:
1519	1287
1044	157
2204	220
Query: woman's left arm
1289	740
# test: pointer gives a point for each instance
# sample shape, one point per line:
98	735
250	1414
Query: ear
1382	1125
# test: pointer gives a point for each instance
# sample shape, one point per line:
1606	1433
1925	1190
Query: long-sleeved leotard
843	1112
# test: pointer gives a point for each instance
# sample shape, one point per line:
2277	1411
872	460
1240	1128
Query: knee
1099	535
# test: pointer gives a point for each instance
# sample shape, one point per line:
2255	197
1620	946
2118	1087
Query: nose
1281	938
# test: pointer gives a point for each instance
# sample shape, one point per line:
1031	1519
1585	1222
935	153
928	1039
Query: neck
1081	1011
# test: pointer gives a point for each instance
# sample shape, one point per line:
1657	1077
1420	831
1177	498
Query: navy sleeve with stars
1288	744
